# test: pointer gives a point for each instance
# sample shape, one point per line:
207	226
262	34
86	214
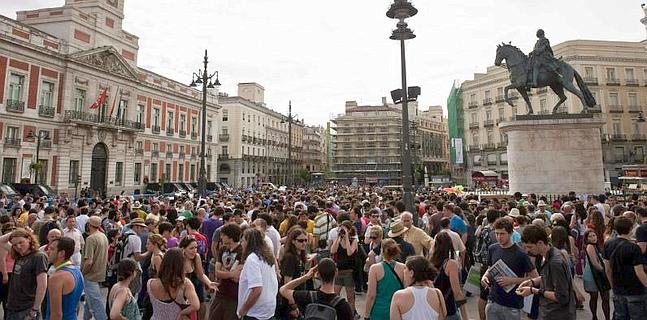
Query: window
46	94
181	149
209	125
42	174
488	115
619	153
617	127
473	97
501	113
169	147
156	117
491	159
9	170
167	172
475	139
74	172
182	122
137	174
225	130
192	172
139	145
194	124
629	73
487	94
12	133
588	72
153	173
633	99
639	153
122	109
611	73
79	99
542	105
504	158
180	172
16	83
490	136
225	115
473	117
169	120
224	150
119	173
477	160
613	99
243	116
140	113
499	91
155	147
636	127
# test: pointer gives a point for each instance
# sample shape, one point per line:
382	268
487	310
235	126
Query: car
36	190
7	190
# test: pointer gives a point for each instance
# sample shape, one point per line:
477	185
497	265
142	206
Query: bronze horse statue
517	65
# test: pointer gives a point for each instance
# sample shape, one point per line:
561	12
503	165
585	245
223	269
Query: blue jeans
629	307
495	311
18	314
95	304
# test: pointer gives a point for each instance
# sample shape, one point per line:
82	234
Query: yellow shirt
418	239
22	219
283	227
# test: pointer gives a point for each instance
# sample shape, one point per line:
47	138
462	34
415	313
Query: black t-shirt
641	233
623	255
230	259
23	281
302	299
518	261
406	249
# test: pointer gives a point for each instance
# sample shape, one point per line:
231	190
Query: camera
342	233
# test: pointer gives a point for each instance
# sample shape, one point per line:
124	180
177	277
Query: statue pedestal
555	154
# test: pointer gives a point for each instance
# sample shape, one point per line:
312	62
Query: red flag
100	100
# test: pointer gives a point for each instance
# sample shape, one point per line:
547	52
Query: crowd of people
307	253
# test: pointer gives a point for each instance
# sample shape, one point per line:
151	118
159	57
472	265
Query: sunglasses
373	238
302	240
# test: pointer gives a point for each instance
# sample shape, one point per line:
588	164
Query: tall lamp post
40	136
401	10
290	119
202	77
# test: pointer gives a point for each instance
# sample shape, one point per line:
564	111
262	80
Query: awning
632	178
485	175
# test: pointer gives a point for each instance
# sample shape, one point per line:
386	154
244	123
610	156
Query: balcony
15	106
487	101
488	123
155	129
209	156
155	153
632	82
499	98
12	142
99	120
638	137
613	82
194	156
615	109
46	144
209	138
169	131
474	125
169	155
46	111
491	162
472	104
181	155
473	147
635	109
618	137
182	134
488	146
224	137
139	152
502	145
244	138
592	81
194	136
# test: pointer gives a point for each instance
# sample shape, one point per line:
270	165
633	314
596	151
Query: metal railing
499	98
631	82
169	131
472	104
224	137
488	123
223	156
102	120
15	106
209	138
139	152
194	156
181	155
155	153
474	125
169	154
635	109
487	101
616	109
638	137
618	137
489	146
46	111
194	135
155	129
46	144
182	134
12	142
613	82
591	80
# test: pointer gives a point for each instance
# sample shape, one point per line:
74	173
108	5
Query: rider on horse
541	55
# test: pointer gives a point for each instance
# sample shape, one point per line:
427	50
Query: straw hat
397	228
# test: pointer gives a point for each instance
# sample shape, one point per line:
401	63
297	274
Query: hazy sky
320	54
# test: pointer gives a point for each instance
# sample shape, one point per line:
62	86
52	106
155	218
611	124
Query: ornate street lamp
202	77
290	118
40	136
401	10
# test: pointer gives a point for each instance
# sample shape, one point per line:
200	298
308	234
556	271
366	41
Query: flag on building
100	100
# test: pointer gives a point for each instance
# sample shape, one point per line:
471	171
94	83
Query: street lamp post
43	135
290	119
401	10
201	78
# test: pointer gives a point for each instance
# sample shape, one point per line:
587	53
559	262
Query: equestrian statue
540	70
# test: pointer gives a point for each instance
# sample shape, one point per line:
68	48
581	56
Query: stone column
555	154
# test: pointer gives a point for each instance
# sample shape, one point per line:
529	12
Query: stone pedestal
555	154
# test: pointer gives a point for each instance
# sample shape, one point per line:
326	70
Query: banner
458	150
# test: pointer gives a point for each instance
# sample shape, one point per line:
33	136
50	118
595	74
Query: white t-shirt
257	273
134	245
81	220
275	236
270	245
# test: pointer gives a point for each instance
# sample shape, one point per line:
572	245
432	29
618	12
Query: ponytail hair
422	269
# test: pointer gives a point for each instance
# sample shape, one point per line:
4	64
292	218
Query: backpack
483	242
321	311
118	254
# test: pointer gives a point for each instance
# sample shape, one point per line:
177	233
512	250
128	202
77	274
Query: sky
320	54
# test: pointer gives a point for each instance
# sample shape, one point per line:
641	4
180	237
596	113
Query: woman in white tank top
420	300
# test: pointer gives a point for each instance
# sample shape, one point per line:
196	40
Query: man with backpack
323	303
484	238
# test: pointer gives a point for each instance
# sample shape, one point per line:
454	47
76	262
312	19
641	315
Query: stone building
369	140
254	140
54	64
313	149
616	73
